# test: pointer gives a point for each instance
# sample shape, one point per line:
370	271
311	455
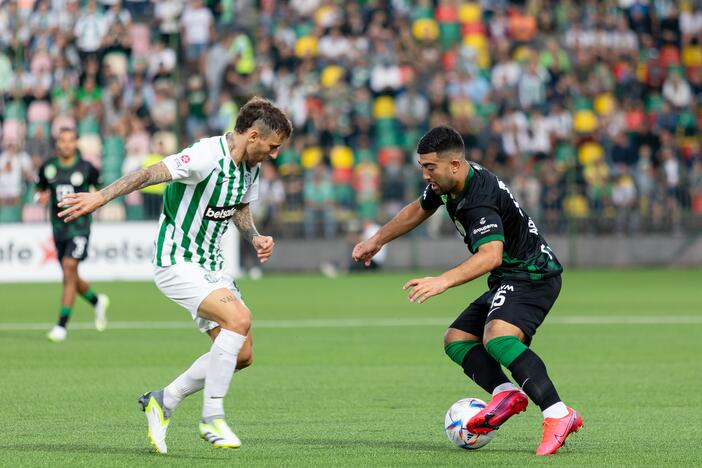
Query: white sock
503	388
223	354
556	410
187	383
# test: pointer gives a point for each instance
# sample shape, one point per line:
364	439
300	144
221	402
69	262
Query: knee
458	344
454	334
498	329
239	321
70	274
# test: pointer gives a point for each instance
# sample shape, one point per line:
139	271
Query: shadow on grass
406	445
78	448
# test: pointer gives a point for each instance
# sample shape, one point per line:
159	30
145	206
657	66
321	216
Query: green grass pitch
347	372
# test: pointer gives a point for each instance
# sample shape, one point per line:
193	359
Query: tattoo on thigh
227	299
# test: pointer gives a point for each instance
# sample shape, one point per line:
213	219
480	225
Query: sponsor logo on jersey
484	229
77	179
50	171
219	213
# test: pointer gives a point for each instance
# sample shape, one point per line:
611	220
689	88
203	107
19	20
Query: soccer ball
455	422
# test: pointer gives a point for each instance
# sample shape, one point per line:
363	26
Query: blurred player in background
525	280
214	181
62	175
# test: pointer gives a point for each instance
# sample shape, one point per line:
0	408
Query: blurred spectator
625	200
90	28
197	25
15	170
267	209
153	194
319	203
677	90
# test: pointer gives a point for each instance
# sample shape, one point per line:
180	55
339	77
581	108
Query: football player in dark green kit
525	279
68	173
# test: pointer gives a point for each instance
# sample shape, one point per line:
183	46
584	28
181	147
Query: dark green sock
90	296
64	315
457	350
528	370
477	364
505	349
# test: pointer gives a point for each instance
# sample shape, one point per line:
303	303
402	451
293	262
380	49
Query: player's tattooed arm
80	204
152	175
244	223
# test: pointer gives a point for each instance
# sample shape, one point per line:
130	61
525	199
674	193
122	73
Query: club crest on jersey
460	228
212	278
247	179
219	213
77	179
50	171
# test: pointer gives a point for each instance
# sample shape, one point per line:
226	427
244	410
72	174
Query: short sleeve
430	201
41	182
482	225
94	177
252	192
194	164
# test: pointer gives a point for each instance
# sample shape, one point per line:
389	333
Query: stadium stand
589	110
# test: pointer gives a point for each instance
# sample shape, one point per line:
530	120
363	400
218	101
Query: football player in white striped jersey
212	182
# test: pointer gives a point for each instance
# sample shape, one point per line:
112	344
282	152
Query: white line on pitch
361	323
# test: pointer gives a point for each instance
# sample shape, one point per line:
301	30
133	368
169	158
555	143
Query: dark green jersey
487	211
62	180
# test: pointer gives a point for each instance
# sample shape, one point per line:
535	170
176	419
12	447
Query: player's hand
424	288
264	247
79	204
364	251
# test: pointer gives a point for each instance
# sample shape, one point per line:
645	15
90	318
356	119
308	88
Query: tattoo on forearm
227	299
137	180
244	222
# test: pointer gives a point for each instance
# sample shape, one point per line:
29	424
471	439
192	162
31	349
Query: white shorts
188	284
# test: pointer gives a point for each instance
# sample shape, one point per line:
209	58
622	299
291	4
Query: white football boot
57	334
217	432
103	302
158	417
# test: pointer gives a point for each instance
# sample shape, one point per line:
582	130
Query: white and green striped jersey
199	203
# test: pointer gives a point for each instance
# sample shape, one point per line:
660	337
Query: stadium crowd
589	110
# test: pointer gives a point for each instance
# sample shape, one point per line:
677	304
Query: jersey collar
465	186
61	165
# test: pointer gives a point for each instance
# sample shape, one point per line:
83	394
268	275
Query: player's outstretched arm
245	224
487	258
403	222
81	204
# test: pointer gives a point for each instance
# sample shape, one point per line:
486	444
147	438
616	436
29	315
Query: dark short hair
442	139
262	113
67	129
